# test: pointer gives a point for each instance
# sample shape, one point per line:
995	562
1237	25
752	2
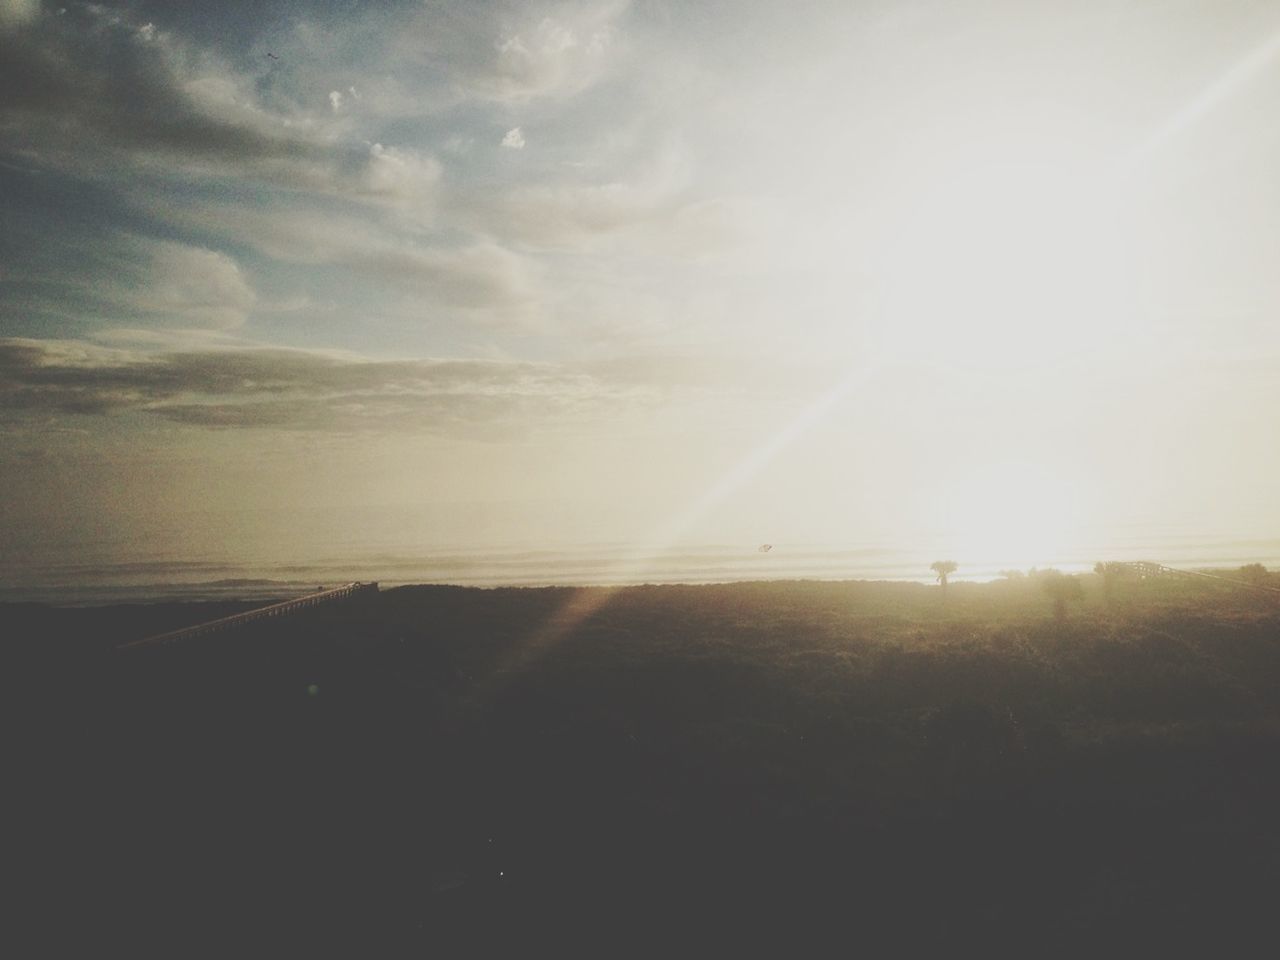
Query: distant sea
104	572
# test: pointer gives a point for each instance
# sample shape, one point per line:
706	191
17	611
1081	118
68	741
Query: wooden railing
251	616
1215	576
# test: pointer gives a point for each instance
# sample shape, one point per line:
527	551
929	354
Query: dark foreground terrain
846	769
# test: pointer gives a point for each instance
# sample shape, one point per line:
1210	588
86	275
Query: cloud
478	276
289	388
93	74
400	174
554	55
571	213
128	280
514	52
96	93
190	287
18	13
559	214
263	167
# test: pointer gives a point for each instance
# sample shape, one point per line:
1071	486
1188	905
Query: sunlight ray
583	604
1226	85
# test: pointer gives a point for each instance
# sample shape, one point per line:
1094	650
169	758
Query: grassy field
793	767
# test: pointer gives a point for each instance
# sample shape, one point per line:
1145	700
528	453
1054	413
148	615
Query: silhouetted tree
1011	574
943	568
1060	589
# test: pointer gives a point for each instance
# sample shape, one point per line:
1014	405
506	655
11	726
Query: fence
252	616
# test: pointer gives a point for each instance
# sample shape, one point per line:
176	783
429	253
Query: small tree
1061	589
943	568
1255	573
1111	572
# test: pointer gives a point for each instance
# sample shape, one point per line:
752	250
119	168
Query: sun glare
1013	513
978	266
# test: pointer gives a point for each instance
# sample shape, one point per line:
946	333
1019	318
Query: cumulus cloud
514	139
552	55
286	388
400	174
335	100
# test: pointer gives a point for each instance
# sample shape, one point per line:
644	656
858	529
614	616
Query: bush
1061	589
1255	573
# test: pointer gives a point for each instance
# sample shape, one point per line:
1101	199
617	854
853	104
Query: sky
730	272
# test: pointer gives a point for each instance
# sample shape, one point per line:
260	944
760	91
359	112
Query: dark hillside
678	769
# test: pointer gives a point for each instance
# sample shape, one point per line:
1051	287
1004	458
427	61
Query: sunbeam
1224	86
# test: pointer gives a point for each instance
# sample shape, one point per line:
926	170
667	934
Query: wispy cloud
98	94
95	72
239	384
288	388
188	286
126	280
573	210
302	159
17	13
509	52
479	275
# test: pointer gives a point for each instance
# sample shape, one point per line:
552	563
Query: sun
1010	513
